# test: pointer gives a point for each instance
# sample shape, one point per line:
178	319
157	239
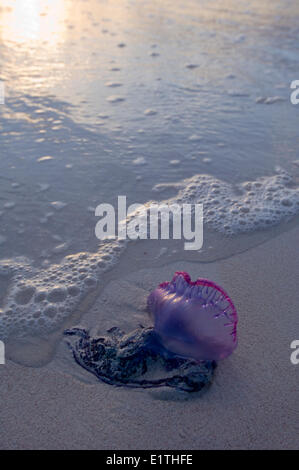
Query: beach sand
251	404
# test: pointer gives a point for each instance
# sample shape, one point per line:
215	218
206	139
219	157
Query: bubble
24	295
57	294
150	112
73	290
115	99
50	311
40	296
286	202
90	281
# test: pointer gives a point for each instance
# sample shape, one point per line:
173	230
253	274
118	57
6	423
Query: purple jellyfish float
194	326
195	320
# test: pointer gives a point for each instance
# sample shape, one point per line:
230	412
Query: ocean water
166	101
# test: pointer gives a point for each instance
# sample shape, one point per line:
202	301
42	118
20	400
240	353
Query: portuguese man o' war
194	319
195	324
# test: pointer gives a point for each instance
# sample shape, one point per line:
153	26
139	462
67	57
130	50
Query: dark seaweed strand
132	383
145	384
87	344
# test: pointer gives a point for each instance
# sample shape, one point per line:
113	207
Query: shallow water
108	98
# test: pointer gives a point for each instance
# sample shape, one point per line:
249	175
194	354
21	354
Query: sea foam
245	207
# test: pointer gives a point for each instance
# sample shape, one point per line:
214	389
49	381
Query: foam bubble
40	299
269	99
139	161
58	205
115	99
150	112
245	207
113	84
191	66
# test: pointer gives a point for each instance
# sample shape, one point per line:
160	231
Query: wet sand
253	400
